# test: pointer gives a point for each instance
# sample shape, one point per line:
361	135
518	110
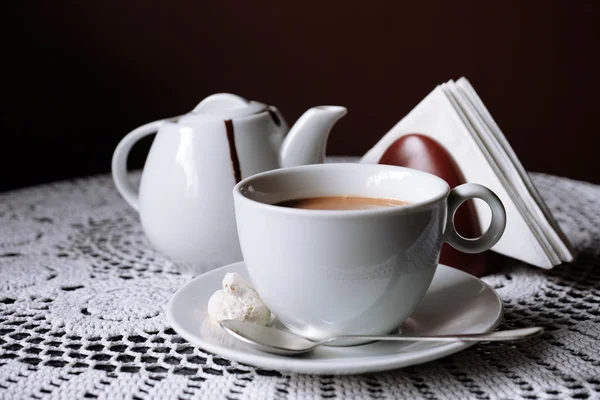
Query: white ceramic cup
325	273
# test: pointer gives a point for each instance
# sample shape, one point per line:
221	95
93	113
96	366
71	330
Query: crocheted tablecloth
82	295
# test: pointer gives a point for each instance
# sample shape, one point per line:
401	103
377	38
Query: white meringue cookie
237	300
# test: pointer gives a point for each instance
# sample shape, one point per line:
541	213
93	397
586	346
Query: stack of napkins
454	115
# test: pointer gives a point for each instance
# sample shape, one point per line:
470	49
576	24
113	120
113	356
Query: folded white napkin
454	115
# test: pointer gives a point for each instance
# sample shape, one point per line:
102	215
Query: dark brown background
79	75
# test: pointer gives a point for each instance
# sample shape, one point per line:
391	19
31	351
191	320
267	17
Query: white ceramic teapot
185	196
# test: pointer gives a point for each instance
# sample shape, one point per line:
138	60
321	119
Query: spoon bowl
276	341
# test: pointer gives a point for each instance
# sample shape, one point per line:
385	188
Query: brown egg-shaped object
426	154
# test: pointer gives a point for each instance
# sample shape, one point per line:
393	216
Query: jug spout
307	140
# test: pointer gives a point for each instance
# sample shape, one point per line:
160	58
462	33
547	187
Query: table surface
72	254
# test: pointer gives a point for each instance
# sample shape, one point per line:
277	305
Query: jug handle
119	161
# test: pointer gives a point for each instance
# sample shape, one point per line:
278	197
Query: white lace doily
82	296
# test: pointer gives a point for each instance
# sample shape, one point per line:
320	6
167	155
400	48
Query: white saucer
456	302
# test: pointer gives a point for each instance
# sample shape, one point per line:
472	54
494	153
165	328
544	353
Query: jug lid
226	106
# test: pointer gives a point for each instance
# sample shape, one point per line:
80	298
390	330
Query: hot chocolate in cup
357	270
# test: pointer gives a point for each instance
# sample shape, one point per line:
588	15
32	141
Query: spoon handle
513	334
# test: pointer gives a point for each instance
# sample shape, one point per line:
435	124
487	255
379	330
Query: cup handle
119	161
460	194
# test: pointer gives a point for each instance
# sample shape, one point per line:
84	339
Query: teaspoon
276	341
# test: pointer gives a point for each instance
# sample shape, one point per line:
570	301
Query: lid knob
220	102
